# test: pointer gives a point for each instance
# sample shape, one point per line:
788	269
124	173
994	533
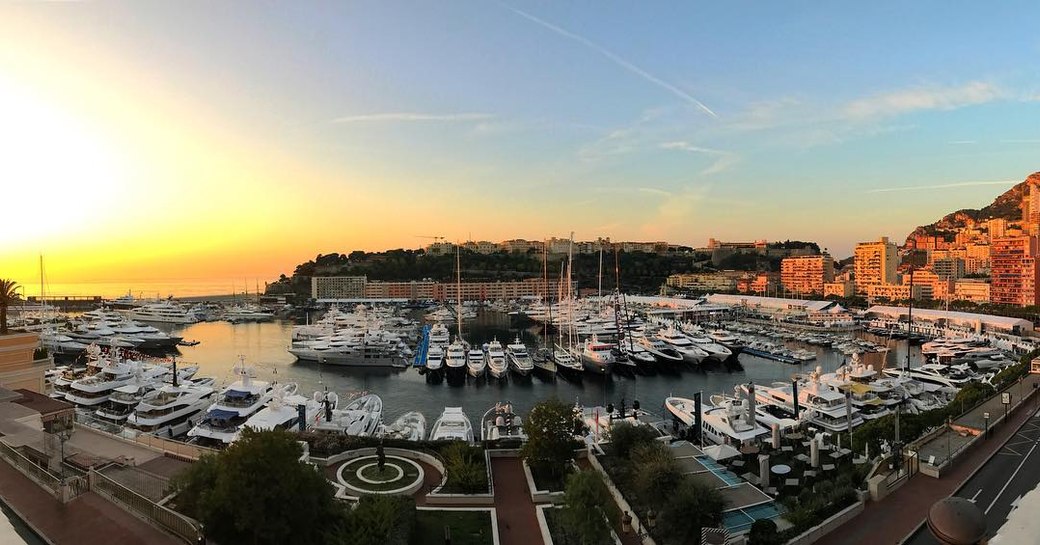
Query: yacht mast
458	291
570	295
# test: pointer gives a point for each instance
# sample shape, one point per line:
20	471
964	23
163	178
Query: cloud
922	98
941	186
723	159
962	142
616	59
396	117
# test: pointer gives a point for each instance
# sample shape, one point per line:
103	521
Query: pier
66	303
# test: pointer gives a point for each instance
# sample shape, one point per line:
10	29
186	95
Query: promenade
898	516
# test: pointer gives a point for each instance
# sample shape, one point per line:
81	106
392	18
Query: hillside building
1015	274
875	264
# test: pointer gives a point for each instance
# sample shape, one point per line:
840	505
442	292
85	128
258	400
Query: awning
237	394
721	452
221	414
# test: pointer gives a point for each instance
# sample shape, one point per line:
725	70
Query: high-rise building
875	264
806	274
949	268
338	287
1014	270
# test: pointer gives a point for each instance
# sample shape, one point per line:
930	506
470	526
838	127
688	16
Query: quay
66	303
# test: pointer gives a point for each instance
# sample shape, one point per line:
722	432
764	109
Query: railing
30	469
183	527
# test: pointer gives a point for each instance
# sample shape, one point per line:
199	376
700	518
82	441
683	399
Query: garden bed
557	530
467	528
543	480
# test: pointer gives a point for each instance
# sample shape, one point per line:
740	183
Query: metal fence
30	469
187	529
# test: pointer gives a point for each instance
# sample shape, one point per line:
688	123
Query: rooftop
963	318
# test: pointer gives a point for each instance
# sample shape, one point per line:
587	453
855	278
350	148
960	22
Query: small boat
188	343
411	426
452	425
501	425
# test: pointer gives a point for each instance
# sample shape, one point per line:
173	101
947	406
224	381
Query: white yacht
475	364
682	344
565	362
361	417
452	425
242	399
124	399
661	350
169	409
247	313
935	373
285	411
93	390
502	425
826	407
597	357
61	344
714	350
495	359
519	359
439	334
164	312
455	357
410	426
731	422
434	358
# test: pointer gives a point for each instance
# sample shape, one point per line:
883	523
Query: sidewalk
891	520
517	521
86	520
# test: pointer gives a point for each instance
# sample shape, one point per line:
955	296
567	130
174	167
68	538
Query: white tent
721	452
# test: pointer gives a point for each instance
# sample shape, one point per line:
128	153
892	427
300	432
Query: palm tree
8	295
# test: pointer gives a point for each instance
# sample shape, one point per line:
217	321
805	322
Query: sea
264	346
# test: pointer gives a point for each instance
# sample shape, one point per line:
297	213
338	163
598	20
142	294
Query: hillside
1005	206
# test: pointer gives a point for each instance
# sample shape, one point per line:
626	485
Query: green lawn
350	475
467	528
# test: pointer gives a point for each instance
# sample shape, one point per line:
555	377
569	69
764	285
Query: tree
258	492
550	437
625	437
380	520
690	507
8	296
763	532
466	470
589	512
654	474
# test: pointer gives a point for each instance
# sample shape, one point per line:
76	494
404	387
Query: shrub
465	467
625	437
589	511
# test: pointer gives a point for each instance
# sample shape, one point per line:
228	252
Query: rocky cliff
1005	206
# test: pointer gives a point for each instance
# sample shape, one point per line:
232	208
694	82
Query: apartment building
806	274
1015	274
875	264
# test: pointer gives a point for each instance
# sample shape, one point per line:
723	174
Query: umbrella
721	452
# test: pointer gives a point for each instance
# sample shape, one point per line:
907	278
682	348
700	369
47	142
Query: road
1005	478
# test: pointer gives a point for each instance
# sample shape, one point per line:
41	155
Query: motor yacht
825	407
285	411
239	401
476	366
94	390
520	361
169	410
163	312
495	359
439	334
933	373
727	340
661	350
732	422
501	425
434	358
682	344
452	425
597	357
455	357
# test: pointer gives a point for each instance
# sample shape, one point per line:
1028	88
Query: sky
163	141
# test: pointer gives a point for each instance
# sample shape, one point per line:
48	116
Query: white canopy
721	452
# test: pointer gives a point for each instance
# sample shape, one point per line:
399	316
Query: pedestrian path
517	518
893	519
87	520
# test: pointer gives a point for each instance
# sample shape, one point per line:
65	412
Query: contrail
939	186
410	116
617	60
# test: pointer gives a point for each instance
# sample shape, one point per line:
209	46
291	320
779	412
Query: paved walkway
86	520
893	519
517	519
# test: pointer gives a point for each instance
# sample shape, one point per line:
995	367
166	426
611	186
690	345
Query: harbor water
263	345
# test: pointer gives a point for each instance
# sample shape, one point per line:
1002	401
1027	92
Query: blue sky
834	122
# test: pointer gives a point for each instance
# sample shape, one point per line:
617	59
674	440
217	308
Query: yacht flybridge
242	399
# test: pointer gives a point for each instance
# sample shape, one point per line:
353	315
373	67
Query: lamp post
949	432
985	418
64	434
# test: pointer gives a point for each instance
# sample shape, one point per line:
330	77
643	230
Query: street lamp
985	417
651	519
64	434
949	432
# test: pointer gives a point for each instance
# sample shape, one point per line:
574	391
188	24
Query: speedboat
452	425
495	358
519	359
410	426
501	425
